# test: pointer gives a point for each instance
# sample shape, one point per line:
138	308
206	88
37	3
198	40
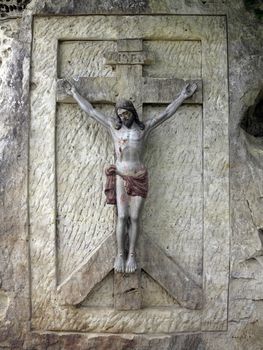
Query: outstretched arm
187	92
88	108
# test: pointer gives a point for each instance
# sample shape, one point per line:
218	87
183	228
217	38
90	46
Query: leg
122	206
136	204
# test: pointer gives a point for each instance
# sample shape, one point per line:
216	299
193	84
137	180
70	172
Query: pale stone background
245	307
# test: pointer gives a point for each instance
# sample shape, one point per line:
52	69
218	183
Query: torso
128	144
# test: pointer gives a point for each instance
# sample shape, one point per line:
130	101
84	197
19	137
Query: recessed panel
185	217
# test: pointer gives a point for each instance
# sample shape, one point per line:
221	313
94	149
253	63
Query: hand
69	88
189	90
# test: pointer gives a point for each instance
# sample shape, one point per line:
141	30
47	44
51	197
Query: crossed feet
129	267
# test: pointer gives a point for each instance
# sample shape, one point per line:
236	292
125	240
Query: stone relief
176	258
244	299
127	180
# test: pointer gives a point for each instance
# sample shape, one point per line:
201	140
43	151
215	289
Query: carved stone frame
211	31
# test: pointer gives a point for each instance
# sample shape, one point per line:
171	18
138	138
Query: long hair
128	105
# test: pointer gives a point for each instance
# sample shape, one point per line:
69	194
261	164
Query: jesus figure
127	180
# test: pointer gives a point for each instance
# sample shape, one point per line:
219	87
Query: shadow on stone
252	121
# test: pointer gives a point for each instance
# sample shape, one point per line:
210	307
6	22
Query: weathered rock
199	246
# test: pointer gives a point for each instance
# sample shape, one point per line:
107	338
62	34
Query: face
127	117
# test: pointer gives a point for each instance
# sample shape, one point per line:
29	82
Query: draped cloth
135	185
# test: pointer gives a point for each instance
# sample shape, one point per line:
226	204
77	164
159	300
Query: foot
119	265
131	265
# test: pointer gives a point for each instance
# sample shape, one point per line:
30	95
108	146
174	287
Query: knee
122	218
134	219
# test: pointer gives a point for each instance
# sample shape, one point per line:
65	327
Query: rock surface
24	314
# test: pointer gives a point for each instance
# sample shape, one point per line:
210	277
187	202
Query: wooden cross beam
130	84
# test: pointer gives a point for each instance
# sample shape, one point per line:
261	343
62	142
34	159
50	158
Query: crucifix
127	180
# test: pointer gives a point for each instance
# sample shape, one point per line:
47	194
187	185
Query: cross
129	83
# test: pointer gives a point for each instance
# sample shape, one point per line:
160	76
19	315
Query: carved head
126	114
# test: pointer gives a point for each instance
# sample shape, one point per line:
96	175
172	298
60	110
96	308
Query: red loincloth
136	185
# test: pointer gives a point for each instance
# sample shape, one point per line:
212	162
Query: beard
128	122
